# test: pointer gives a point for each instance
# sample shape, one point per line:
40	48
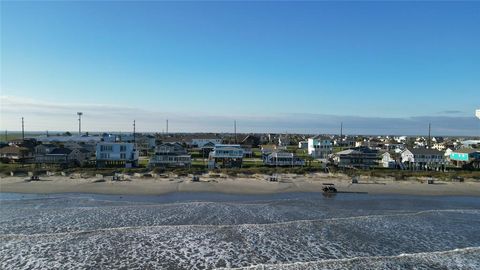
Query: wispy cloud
42	115
451	112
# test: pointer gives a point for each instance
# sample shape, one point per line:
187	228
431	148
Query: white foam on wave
210	246
451	259
256	225
205	235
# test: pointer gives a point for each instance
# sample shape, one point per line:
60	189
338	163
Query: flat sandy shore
257	184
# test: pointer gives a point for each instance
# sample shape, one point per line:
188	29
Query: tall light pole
23	130
79	123
429	134
235	129
341	131
133	131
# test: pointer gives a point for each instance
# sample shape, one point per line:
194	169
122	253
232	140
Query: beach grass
253	166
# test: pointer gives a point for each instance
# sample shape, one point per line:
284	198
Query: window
123	156
123	148
104	148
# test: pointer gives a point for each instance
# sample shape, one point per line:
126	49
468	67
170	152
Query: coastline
257	184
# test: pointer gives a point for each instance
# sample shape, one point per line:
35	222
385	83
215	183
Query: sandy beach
256	184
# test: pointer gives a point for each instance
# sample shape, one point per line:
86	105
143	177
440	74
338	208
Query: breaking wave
460	211
363	233
463	258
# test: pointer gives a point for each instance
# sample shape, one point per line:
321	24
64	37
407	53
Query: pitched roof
425	151
321	137
61	151
282	154
348	152
209	144
358	150
250	138
83	150
172	144
12	149
228	146
47	145
466	150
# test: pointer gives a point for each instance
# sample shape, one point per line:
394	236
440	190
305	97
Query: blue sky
297	67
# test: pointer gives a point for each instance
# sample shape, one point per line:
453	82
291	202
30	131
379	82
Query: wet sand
257	184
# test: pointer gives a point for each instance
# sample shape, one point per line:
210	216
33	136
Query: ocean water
209	230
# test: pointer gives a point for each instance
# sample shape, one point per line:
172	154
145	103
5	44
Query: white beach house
423	159
116	153
320	147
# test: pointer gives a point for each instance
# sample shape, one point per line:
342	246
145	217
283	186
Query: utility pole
429	132
133	131
167	127
79	123
23	130
341	131
235	129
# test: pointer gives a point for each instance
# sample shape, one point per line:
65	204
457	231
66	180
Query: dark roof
48	145
365	149
250	139
174	144
171	147
209	144
26	140
83	150
61	151
425	151
28	143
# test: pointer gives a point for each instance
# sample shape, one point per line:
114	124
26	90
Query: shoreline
234	185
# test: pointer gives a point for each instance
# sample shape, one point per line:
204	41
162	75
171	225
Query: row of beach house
217	151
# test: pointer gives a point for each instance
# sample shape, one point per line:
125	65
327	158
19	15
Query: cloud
451	112
42	115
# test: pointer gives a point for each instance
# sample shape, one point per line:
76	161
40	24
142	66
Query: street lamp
79	123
